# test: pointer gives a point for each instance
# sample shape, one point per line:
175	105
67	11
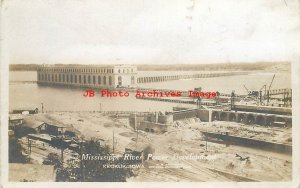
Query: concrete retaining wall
154	118
179	108
228	139
165	119
153	127
203	115
250	118
185	114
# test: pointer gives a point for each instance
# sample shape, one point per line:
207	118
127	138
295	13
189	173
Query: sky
150	31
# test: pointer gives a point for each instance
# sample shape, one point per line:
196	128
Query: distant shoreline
261	66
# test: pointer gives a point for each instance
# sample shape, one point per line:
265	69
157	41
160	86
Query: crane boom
246	89
271	82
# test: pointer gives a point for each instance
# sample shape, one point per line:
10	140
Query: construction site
229	137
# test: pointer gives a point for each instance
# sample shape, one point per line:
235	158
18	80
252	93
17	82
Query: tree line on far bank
279	66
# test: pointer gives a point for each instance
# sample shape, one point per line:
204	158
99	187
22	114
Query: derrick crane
246	89
271	82
262	96
268	92
264	87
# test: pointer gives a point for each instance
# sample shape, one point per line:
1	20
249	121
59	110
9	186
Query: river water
24	94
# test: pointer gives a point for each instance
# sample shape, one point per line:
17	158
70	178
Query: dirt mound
185	122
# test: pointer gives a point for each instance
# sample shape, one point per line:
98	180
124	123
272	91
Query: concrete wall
252	118
203	115
153	127
155	118
185	114
165	119
179	108
263	109
138	119
228	139
126	80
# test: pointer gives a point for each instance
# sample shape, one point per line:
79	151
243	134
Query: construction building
92	76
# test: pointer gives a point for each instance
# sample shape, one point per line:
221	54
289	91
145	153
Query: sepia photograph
179	92
92	123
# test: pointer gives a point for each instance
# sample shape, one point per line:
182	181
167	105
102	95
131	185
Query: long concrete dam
109	76
149	79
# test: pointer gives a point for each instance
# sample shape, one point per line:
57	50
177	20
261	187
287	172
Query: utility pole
62	155
268	97
136	127
198	101
135	123
137	135
218	97
42	107
62	150
232	99
260	97
29	147
113	141
81	164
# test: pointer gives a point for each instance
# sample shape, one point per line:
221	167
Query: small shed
51	129
26	111
139	149
29	126
14	120
43	127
